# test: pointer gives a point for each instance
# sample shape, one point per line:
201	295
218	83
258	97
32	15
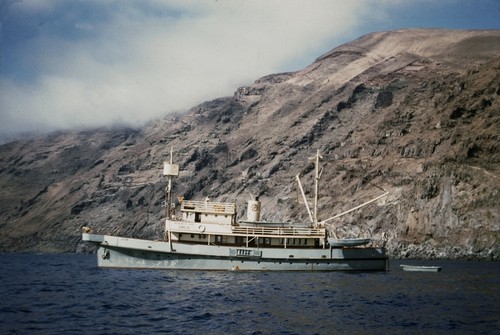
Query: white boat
347	242
206	235
420	268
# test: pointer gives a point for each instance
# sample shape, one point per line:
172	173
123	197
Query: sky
91	63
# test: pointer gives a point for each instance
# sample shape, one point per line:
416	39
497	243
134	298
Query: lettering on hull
244	253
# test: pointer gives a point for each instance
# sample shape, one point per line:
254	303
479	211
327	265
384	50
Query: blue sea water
68	294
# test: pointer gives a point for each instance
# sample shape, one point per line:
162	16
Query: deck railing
209	207
281	231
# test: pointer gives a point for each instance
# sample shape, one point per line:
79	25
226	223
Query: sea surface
68	294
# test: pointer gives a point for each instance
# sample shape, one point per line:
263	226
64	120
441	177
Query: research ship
207	235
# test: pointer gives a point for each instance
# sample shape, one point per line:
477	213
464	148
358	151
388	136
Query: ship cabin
215	223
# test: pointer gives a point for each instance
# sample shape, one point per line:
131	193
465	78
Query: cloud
95	63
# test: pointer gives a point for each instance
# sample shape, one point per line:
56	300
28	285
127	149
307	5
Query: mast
316	182
169	190
170	170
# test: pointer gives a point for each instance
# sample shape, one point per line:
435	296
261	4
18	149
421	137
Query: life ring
201	228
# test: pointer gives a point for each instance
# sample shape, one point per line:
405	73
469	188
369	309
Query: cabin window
197	217
239	240
264	240
220	239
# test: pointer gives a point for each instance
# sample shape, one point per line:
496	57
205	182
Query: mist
67	64
80	64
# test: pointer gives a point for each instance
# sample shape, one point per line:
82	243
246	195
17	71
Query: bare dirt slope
413	112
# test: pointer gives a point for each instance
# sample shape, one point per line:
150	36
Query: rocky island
414	112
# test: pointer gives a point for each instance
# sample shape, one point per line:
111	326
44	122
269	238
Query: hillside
413	112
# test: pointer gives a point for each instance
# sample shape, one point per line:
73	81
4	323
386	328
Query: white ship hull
118	252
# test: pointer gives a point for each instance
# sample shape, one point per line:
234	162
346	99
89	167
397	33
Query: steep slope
413	112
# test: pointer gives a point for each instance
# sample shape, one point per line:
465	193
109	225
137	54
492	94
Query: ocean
68	294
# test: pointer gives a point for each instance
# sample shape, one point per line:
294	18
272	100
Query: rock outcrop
413	112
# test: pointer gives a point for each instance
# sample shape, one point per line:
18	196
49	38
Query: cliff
413	112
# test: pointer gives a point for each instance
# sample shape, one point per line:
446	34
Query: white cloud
144	59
